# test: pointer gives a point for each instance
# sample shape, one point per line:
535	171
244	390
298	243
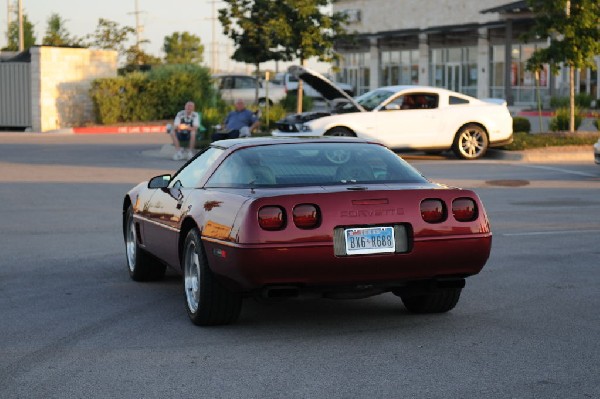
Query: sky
158	18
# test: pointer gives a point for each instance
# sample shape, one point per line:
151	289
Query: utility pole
9	10
21	39
138	27
214	52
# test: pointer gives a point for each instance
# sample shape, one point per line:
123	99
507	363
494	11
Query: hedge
154	95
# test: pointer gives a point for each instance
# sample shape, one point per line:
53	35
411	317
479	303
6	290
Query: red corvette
275	218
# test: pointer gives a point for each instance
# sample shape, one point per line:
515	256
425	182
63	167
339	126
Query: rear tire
141	265
207	301
439	301
340	132
471	142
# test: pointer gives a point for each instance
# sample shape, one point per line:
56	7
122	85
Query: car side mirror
392	107
161	181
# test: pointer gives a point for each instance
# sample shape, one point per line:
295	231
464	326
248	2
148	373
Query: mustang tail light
271	218
306	216
464	209
433	210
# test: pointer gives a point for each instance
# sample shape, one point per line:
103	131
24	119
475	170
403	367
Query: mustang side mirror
161	181
392	107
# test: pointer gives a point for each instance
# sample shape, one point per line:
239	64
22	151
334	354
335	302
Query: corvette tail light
271	218
306	216
464	209
433	210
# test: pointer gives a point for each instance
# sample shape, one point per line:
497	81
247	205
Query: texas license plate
369	240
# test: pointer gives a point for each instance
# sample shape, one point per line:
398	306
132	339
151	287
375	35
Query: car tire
207	301
471	142
340	131
141	265
262	102
439	301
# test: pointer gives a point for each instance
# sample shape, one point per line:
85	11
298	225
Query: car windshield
372	99
309	164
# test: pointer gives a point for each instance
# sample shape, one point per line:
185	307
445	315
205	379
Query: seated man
185	128
240	122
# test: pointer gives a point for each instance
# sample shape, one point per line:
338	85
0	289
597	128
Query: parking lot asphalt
579	153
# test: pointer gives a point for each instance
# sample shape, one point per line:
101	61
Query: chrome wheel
192	277
471	142
131	244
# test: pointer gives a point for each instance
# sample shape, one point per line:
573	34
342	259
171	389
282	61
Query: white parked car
233	87
405	118
597	152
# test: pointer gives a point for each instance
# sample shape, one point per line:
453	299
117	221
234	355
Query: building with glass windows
470	46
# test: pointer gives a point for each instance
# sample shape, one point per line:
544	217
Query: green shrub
521	124
154	95
559	102
561	121
276	113
582	100
524	141
290	102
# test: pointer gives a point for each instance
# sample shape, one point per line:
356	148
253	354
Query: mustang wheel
340	131
207	301
142	266
471	142
440	301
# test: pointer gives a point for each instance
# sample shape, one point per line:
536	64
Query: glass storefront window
454	69
400	67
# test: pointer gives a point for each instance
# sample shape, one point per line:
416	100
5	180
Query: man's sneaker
190	154
178	155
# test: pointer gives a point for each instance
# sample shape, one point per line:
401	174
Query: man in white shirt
185	128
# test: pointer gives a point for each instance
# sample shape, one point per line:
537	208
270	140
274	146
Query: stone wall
389	15
60	83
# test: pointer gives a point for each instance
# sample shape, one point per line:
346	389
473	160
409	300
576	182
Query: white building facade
470	46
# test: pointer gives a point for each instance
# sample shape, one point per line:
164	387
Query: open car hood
324	86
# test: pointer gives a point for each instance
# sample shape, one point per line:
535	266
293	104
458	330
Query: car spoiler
499	101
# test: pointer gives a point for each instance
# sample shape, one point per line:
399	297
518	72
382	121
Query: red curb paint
119	129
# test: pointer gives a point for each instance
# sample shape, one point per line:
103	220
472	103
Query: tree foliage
574	33
306	31
183	48
13	34
574	29
109	35
57	33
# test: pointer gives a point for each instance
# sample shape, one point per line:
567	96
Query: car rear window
307	164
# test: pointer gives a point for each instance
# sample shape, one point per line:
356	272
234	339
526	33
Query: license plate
369	240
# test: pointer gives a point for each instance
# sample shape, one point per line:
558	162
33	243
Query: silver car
597	152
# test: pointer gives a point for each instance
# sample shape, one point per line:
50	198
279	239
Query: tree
135	56
574	29
110	36
183	48
57	34
13	34
310	33
253	26
299	28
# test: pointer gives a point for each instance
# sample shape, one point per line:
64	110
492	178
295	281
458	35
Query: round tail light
271	218
306	216
433	210
464	209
